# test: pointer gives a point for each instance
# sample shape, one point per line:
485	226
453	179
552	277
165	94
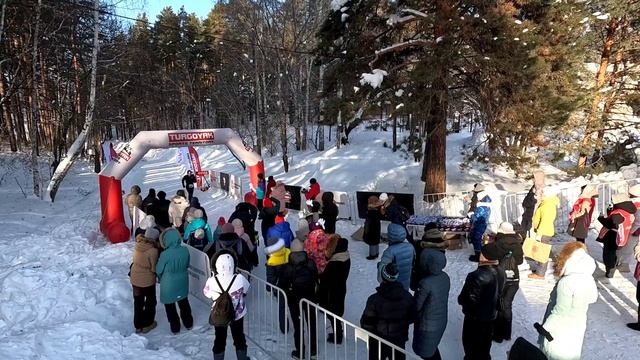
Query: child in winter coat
616	230
143	280
388	314
566	315
372	228
510	255
544	225
177	207
174	280
298	278
277	257
399	252
225	277
634	194
281	230
316	247
333	283
261	191
582	213
432	298
480	300
205	236
479	223
313	191
133	199
329	213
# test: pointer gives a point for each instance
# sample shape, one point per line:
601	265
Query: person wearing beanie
388	314
616	230
582	213
566	315
634	195
303	230
479	222
230	241
142	275
298	278
281	230
316	247
172	271
432	298
160	209
399	252
133	200
205	234
544	226
270	210
510	255
194	204
479	298
277	255
372	227
333	283
177	207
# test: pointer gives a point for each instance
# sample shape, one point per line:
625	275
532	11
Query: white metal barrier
357	343
445	204
267	321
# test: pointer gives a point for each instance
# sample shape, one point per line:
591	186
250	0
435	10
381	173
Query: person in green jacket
174	280
544	225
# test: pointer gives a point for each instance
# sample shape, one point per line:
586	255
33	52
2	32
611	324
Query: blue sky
153	7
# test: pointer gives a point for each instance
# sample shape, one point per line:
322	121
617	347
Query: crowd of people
312	262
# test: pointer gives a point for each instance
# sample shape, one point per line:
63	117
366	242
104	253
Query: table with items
452	226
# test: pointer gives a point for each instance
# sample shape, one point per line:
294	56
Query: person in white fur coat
566	315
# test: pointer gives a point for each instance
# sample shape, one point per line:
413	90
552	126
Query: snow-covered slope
66	295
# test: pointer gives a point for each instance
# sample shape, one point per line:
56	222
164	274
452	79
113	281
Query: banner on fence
362	198
199	272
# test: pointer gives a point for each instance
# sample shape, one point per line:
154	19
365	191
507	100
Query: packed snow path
66	295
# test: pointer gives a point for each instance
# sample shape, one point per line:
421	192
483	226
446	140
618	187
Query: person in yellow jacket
544	225
277	257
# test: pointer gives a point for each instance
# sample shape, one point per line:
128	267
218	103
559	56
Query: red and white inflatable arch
112	224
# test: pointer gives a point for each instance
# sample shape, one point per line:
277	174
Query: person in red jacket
271	182
313	191
616	230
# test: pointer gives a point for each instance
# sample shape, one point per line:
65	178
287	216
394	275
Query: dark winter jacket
232	242
194	204
396	213
529	207
389	312
333	282
160	210
329	213
188	181
148	202
371	235
298	278
281	231
480	295
624	214
247	213
402	253
474	201
506	243
432	297
268	215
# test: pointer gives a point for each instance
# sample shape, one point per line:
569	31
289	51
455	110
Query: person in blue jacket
174	280
281	230
479	222
197	222
399	252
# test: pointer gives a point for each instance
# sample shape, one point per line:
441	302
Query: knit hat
383	197
279	219
303	230
634	191
506	228
389	272
273	244
396	233
198	214
491	252
433	235
221	221
152	233
297	245
227	228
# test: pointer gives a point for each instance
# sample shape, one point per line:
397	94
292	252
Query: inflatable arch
112	223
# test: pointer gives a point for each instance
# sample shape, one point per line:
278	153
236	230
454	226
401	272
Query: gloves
321	222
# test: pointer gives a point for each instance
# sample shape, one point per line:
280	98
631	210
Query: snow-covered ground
65	293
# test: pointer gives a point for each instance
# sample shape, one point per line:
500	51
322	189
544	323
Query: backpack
223	312
236	251
510	268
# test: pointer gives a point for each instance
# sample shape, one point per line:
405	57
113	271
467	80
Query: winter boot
636	325
219	356
242	355
475	257
149	328
610	272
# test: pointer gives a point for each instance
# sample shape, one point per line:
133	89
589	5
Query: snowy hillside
66	295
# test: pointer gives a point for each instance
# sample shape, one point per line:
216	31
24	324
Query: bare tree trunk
257	96
305	127
72	154
321	108
35	110
4	7
394	142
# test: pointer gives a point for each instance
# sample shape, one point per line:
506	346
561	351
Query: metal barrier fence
267	320
357	343
445	204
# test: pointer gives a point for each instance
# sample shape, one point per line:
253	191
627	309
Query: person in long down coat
177	207
143	280
388	314
333	283
174	280
329	213
148	201
432	298
616	230
528	208
566	315
133	199
582	213
372	228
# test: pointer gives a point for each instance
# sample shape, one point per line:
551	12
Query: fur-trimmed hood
574	260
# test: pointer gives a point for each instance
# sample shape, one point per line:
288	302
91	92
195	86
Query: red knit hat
221	221
279	219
